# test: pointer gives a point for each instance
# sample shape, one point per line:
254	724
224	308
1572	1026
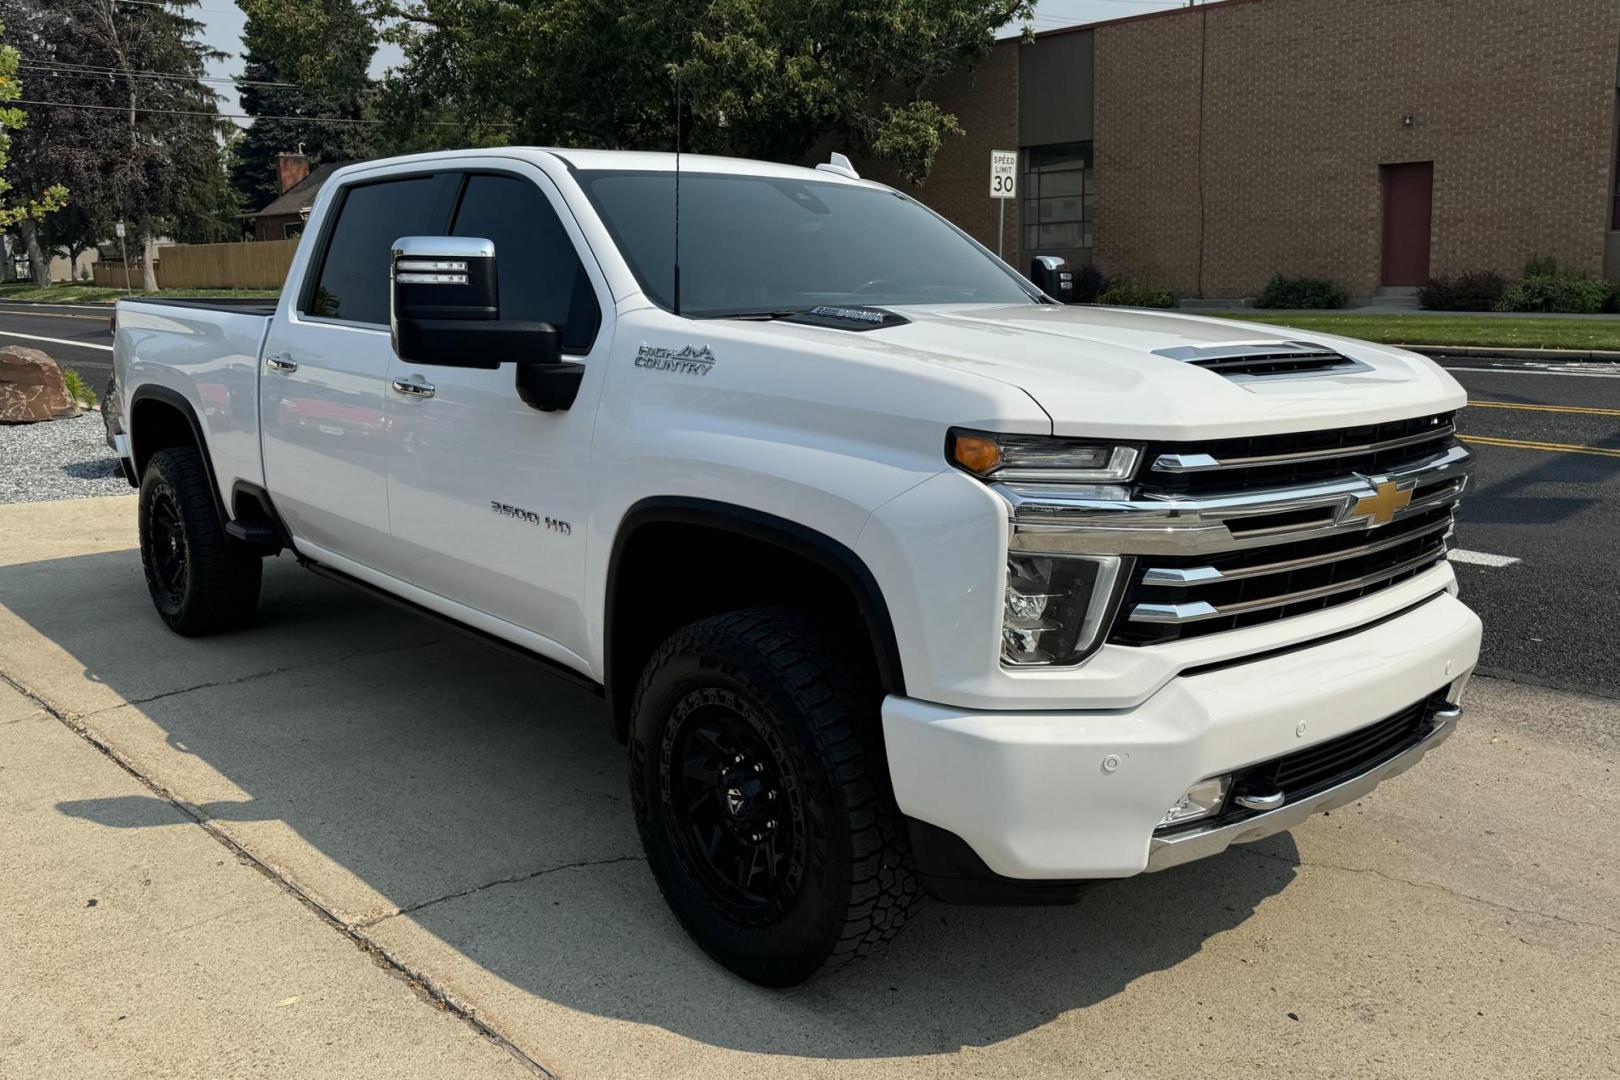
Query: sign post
123	252
1003	186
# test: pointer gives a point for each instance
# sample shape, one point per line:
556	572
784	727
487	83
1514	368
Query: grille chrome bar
1199	610
1174	577
1187	463
1077	519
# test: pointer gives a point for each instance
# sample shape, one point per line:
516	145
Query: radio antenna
677	296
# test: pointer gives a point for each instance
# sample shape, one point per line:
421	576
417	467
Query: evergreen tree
321	50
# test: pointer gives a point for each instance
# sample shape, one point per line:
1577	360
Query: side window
541	277
353	283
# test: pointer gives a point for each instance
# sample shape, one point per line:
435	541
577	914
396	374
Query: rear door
325	369
487	496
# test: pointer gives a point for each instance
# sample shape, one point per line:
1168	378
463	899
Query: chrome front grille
1238	532
1173	596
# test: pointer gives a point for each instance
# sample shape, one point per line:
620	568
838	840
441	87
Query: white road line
1537	371
18	305
57	341
1479	558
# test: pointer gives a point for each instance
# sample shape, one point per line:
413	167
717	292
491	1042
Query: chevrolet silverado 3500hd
894	573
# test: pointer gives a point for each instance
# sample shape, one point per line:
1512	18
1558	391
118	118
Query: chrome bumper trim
1054	519
1183	847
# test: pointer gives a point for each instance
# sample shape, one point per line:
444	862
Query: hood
1100	371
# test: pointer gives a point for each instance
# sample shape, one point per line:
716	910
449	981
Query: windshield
754	244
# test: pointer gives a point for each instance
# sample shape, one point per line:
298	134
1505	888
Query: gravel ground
58	459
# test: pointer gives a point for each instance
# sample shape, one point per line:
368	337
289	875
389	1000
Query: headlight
1042	458
1056	607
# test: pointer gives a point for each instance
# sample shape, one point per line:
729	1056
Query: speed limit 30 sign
1003	174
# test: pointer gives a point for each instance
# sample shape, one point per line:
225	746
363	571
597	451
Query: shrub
77	388
1611	302
1301	292
1579	296
1135	292
1477	290
1089	283
1546	266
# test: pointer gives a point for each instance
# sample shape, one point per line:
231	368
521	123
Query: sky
223	22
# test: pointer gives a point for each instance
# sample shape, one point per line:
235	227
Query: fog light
1204	799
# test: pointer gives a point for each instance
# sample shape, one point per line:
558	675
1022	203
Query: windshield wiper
759	316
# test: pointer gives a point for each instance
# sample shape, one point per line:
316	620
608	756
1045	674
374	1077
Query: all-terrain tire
201	582
795	729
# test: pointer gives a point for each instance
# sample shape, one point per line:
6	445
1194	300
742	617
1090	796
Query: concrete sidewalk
422	806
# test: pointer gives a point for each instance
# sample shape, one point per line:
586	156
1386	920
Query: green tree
134	128
27	213
762	78
319	52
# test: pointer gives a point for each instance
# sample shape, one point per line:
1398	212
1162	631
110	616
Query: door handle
281	363
415	389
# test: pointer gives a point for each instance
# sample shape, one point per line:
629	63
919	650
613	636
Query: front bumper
1065	796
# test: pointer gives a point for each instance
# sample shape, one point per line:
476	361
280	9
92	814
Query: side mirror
1051	275
444	310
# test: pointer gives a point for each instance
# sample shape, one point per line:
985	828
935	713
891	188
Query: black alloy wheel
735	804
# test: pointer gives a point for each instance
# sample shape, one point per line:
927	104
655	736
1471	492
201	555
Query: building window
1060	198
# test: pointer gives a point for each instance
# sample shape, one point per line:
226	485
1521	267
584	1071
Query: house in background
286	214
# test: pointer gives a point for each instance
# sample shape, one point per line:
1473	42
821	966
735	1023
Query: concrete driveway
348	843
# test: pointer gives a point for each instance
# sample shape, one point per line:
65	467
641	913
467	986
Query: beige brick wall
1513	101
985	102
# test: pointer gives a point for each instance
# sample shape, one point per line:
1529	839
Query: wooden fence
109	274
249	265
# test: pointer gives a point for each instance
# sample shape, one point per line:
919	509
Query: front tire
200	582
762	797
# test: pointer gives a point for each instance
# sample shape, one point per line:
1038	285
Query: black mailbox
1051	274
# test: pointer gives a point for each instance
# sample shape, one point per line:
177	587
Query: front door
1408	206
321	399
487	496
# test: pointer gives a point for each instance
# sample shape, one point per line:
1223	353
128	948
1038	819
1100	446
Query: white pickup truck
894	573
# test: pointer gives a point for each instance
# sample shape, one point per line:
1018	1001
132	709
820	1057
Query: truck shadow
435	776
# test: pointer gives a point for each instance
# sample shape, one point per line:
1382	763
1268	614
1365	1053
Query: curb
1482	352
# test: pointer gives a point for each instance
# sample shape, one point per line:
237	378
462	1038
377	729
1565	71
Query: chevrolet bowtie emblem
1381	507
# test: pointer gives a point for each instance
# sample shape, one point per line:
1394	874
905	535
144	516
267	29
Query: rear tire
201	583
762	796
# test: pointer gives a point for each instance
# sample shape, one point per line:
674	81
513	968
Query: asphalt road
1545	493
75	335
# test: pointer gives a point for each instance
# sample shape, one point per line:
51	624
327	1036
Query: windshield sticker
688	360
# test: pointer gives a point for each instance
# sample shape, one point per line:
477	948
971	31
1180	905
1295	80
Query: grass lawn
1499	332
94	294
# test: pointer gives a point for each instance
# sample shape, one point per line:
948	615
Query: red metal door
1408	203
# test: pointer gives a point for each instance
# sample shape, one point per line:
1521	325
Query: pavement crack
1434	886
256	675
422	984
515	879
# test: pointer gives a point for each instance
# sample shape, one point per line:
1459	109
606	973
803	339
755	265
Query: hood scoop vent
1264	360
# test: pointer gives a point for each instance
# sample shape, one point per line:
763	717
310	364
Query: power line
114	74
232	116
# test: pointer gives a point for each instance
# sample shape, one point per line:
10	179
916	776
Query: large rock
31	387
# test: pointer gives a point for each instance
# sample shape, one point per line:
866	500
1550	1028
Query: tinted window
541	278
354	276
751	243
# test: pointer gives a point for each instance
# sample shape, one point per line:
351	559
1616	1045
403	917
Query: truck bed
239	305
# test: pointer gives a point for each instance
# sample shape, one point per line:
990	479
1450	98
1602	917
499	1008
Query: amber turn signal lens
975	453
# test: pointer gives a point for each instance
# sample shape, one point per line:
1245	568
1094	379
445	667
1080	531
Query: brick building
1375	142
